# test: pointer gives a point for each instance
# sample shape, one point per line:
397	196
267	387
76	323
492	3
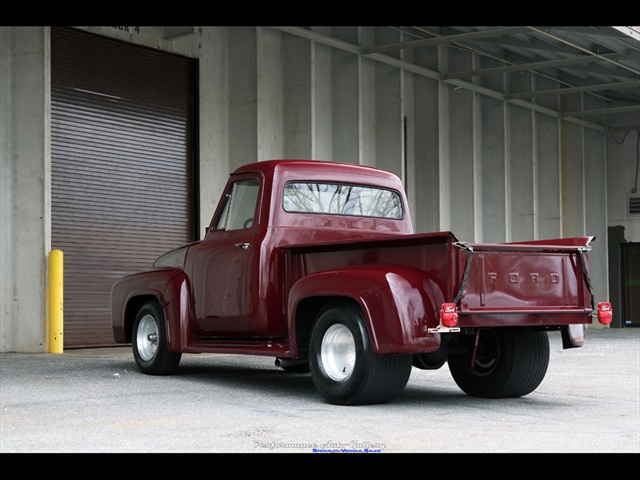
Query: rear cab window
342	199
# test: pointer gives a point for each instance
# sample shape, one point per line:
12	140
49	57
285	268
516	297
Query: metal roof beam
528	66
603	111
430	42
320	38
567	90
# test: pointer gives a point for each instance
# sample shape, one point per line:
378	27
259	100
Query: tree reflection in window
342	199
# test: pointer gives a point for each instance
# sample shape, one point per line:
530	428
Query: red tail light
605	313
449	314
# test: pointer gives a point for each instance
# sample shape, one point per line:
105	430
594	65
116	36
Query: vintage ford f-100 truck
316	264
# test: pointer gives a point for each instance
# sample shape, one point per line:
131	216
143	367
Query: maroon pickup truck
316	264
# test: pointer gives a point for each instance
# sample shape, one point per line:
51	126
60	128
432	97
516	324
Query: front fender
399	304
169	285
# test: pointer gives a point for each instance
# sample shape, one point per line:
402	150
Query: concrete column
388	112
345	86
492	150
366	101
270	118
25	204
297	101
595	200
215	162
321	95
477	158
547	151
460	187
522	165
444	200
423	167
242	116
572	170
408	89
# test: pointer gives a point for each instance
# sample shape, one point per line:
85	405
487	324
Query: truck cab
237	267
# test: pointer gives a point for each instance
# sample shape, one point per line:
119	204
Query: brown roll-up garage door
123	165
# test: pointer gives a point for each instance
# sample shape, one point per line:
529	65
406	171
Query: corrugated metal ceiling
599	61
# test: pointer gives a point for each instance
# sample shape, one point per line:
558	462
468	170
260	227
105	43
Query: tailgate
534	277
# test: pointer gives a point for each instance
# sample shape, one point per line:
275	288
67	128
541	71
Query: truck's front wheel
500	362
149	342
344	367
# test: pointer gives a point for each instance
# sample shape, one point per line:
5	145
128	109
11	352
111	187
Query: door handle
243	246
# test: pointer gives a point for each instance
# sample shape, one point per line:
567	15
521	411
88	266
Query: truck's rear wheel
505	363
344	367
149	342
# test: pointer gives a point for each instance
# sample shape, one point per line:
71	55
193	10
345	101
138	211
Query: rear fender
399	304
169	286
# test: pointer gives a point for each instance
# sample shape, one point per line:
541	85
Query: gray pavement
96	401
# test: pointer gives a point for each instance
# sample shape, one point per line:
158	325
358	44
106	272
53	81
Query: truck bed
528	283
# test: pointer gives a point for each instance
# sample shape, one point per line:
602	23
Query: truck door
221	265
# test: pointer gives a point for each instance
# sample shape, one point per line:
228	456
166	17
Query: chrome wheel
344	367
147	337
338	352
150	343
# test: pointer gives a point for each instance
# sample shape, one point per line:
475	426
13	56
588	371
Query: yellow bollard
56	301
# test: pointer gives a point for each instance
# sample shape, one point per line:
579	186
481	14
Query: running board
271	348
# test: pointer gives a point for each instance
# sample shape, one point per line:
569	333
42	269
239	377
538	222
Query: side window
240	205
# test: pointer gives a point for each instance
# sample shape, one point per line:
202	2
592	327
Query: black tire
344	368
149	342
508	363
430	361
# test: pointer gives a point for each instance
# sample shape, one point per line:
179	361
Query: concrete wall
621	153
486	170
25	233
